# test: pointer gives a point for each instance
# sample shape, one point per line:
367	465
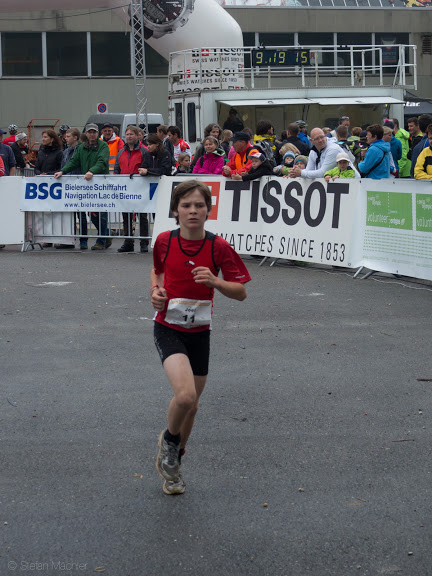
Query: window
353	39
67	53
268	39
312	39
156	64
110	54
390	50
22	54
191	122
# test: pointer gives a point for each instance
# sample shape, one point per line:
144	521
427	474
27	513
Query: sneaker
98	245
177	486
83	245
126	247
108	243
47	245
167	461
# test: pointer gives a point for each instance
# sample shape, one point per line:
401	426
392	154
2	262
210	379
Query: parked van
122	121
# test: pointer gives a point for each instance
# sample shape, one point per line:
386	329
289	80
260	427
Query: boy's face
301	165
185	163
289	160
343	165
192	211
255	163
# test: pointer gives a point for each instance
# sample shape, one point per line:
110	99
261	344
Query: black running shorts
195	345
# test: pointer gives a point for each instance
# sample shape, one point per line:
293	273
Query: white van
122	121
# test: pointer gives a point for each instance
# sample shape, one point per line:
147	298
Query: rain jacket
423	167
211	163
404	164
92	159
376	164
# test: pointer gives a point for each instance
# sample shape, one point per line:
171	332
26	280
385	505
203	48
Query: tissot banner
307	220
100	194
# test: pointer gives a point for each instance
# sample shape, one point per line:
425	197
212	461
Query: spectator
128	161
62	134
178	143
92	158
261	166
264	138
20	150
343	121
2	172
184	166
395	145
344	168
162	132
387	137
7	155
326	130
288	147
287	163
424	121
157	161
303	132
403	137
239	163
300	161
210	130
376	164
415	134
213	160
50	154
225	141
292	137
13	130
115	143
342	141
322	157
233	122
423	167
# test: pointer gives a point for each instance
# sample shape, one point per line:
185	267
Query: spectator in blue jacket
376	164
395	144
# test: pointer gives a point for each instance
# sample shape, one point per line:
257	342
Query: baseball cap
240	136
257	155
107	125
2	131
91	127
342	156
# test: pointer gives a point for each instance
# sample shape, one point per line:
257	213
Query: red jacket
128	161
2	170
239	162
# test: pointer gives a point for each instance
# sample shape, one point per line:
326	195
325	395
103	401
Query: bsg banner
306	220
100	194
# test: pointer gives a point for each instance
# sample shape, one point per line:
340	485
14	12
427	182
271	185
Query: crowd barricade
383	225
70	208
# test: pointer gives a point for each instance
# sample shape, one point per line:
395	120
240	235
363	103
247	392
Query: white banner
11	219
306	220
397	226
100	194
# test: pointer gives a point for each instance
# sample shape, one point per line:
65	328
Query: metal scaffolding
139	68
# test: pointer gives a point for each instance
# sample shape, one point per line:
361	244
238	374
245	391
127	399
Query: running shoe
177	486
167	461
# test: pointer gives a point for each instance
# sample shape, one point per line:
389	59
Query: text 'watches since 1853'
164	16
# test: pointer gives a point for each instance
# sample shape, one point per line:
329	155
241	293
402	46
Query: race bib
188	313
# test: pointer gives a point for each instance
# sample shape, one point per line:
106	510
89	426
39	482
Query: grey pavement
311	453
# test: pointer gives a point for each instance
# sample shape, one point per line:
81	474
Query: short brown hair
376	130
428	130
74	132
186	188
163	128
133	129
413	120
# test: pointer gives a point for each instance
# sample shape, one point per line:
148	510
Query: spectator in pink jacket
213	160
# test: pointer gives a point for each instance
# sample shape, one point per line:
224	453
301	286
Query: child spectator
184	163
260	167
342	170
225	141
287	163
213	159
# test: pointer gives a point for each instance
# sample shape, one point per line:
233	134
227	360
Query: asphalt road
311	452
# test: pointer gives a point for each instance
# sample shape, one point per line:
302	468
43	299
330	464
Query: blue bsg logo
43	191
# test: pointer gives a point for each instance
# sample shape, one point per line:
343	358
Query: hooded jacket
423	167
376	164
404	164
264	169
210	163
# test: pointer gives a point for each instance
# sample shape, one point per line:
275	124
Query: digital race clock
275	57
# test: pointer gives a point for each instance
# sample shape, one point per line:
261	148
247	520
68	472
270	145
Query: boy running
186	266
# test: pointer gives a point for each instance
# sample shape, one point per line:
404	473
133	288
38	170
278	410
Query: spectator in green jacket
91	158
342	170
403	136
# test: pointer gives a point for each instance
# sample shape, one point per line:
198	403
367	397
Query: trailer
286	83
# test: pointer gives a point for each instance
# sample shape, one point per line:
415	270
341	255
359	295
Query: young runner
186	266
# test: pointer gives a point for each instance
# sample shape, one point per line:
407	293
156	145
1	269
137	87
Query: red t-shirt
176	257
9	140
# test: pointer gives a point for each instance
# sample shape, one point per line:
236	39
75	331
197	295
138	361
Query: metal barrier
44	229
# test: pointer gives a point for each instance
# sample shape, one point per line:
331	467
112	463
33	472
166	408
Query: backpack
346	148
266	149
